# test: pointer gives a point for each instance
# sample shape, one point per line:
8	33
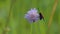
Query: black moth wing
41	16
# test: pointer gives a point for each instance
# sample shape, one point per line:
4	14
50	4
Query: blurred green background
12	19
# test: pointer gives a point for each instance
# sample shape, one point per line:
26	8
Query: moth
41	16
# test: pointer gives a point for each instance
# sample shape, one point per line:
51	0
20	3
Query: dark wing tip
41	16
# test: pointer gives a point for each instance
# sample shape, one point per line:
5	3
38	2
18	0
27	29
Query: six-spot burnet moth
40	15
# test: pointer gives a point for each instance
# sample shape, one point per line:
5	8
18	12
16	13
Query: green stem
52	14
31	29
8	18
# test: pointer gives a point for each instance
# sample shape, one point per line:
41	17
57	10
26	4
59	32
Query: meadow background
12	19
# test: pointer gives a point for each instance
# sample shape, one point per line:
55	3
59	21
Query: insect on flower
41	16
32	15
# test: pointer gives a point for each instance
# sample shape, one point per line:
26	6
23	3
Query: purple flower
32	15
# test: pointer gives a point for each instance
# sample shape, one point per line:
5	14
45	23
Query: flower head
32	15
